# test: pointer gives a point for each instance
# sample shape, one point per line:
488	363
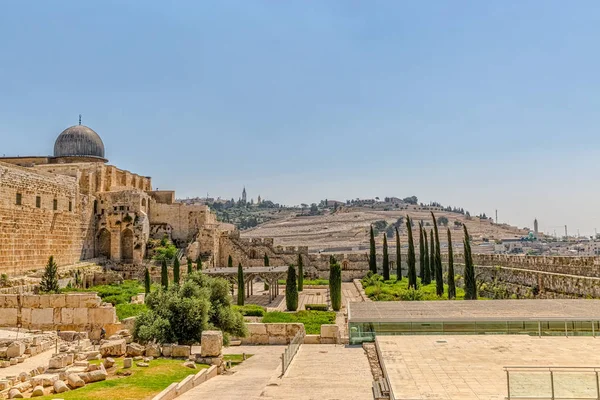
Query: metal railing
552	383
291	350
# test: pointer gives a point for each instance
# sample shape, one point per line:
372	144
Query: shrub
49	283
316	307
251	310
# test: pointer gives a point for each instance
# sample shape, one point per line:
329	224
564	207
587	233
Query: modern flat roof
475	310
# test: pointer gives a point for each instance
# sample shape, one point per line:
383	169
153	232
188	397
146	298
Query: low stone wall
276	333
177	389
69	312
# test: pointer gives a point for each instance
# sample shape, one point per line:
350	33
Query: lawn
312	320
235	359
309	282
143	383
392	290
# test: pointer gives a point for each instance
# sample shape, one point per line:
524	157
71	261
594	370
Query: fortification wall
185	220
65	312
41	214
583	266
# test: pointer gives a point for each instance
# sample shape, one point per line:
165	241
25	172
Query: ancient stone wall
185	220
51	219
275	333
66	312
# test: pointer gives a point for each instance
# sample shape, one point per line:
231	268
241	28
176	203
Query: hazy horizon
477	105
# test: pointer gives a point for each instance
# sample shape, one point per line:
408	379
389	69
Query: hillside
347	229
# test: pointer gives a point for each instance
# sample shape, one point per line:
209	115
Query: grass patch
126	310
309	282
114	293
143	383
392	290
312	320
250	310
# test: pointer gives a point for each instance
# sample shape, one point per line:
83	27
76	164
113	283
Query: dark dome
78	140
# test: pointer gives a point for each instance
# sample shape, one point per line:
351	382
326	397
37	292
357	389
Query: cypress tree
300	273
164	275
147	281
266	260
398	257
439	276
335	285
451	284
470	282
176	270
412	272
421	255
291	290
386	260
49	283
241	287
199	263
229	262
432	256
372	253
189	263
426	260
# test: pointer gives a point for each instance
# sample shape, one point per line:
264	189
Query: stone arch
127	245
103	244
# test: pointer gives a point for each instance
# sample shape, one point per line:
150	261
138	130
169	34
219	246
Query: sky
476	104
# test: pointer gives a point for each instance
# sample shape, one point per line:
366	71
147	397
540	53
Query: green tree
164	274
432	256
470	282
199	263
266	260
372	253
335	285
229	262
180	314
451	284
147	281
439	275
291	290
427	273
412	272
189	265
241	287
49	283
300	273
176	270
398	257
421	255
386	260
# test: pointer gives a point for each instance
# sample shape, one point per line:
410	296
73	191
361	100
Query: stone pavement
249	379
471	367
29	364
324	372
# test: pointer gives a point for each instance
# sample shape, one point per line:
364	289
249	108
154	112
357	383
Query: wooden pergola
268	274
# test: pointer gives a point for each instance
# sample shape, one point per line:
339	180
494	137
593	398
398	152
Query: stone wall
185	220
30	234
66	312
276	333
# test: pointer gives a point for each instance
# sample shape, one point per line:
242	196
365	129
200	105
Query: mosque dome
79	141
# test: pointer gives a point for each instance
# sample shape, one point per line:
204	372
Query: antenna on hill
79	119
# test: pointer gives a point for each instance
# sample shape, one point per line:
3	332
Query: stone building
75	206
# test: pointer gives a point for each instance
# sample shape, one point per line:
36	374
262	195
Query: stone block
37	391
42	316
181	351
211	372
167	350
57	300
330	331
186	384
134	350
60	386
98	375
30	301
75	381
312	339
102	315
14	394
80	317
67	316
11	300
3	384
169	393
15	349
278	340
256	329
211	343
8	317
115	348
152	350
127	362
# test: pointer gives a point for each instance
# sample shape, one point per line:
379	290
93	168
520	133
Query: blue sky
484	105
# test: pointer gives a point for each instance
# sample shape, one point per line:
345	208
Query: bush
378	290
114	293
180	314
316	307
251	310
126	310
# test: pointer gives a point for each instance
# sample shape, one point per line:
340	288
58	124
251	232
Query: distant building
535	226
244	195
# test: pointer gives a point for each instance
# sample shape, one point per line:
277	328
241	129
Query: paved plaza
471	367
